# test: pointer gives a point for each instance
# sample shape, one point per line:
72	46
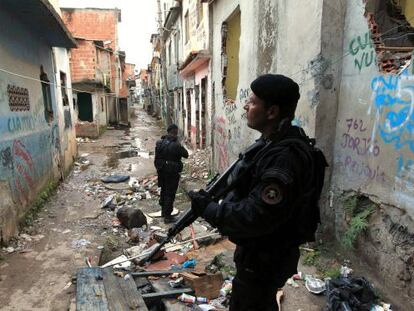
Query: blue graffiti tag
393	99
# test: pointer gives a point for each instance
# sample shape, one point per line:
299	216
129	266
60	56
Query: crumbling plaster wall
273	41
29	146
66	114
374	153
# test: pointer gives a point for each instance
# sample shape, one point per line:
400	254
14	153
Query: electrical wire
50	83
307	70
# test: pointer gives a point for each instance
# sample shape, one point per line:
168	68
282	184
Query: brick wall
83	61
126	73
95	24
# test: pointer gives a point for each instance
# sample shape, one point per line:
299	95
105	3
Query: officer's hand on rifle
199	201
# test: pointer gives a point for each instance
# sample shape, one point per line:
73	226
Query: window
102	104
47	96
187	27
63	89
230	45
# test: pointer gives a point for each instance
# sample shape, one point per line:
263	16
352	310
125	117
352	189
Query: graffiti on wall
393	101
18	161
362	49
356	142
222	143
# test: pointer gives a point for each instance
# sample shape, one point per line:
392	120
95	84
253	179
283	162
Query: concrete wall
374	154
65	113
29	145
199	32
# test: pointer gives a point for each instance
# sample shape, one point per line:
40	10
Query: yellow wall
408	10
232	51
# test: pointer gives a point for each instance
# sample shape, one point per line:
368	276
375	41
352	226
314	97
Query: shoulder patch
272	194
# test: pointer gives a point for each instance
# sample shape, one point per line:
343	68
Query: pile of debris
85	140
198	164
22	244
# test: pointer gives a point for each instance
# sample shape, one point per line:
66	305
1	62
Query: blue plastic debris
189	264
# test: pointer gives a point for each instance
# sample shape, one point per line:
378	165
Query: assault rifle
216	188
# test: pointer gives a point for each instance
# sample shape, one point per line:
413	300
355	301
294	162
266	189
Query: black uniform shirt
263	205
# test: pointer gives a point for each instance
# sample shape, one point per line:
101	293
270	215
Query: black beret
276	89
172	127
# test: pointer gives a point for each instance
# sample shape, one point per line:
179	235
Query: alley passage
37	274
73	228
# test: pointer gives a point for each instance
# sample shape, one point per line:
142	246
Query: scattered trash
109	202
114	178
226	288
314	285
66	231
26	237
205	307
144	155
80	243
118	263
345	271
10	249
382	307
350	294
67	285
189	264
292	283
176	283
191	299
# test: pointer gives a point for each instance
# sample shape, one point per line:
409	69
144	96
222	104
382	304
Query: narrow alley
213	155
72	227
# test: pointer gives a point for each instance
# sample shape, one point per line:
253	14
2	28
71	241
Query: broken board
100	290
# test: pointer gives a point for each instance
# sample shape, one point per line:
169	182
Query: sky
138	23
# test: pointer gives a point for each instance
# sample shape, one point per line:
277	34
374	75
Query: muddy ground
38	274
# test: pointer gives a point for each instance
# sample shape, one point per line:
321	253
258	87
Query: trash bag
114	178
350	294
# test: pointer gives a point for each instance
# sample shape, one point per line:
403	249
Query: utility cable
49	83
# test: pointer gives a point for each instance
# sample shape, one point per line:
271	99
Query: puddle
113	157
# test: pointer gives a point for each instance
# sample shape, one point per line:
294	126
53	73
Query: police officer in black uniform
264	213
168	154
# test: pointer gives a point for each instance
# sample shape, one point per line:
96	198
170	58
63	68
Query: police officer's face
259	117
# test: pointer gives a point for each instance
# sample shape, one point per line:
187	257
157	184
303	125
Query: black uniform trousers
168	181
259	275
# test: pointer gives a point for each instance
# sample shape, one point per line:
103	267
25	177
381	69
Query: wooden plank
153	273
131	294
90	291
122	294
150	297
113	292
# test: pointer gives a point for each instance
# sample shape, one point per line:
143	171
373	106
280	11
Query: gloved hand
199	201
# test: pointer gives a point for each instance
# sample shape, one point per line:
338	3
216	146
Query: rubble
198	164
131	217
